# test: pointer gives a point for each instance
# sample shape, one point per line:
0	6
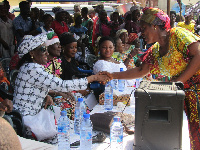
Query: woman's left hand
49	101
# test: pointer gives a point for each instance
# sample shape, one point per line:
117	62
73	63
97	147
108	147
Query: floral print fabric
172	65
54	64
177	58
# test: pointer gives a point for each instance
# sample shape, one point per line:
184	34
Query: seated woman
33	82
69	64
119	54
106	62
64	100
123	35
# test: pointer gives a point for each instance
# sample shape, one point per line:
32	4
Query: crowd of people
48	50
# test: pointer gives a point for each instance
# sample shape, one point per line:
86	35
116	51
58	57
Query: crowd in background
115	41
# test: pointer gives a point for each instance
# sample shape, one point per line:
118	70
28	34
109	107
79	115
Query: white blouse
33	84
102	65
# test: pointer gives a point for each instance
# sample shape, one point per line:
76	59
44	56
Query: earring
31	57
155	28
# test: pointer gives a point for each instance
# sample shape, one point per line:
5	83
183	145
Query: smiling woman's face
124	37
40	55
106	49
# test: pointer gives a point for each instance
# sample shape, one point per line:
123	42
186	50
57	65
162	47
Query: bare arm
134	73
97	77
194	65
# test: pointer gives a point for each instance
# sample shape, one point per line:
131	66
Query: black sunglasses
43	49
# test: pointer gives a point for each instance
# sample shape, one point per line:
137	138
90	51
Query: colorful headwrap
119	32
155	16
30	42
52	41
132	37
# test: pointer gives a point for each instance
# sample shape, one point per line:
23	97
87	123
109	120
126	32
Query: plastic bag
42	124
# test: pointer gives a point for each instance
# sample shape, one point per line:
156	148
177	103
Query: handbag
103	121
42	124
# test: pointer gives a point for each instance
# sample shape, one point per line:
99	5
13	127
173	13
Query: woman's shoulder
183	33
31	67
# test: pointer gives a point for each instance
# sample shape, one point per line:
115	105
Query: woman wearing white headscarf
33	82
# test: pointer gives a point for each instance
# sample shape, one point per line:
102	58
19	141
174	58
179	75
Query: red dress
58	28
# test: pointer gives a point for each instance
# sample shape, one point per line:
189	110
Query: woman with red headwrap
176	54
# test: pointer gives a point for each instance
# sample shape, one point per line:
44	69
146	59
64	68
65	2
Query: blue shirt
20	23
78	31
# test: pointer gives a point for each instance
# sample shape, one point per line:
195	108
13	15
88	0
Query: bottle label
86	135
120	139
89	136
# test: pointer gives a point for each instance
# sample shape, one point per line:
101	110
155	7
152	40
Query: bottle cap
63	113
116	119
86	115
80	99
121	69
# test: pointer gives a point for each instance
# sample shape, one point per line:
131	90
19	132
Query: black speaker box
158	116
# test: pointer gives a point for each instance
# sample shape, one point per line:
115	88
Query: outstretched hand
108	76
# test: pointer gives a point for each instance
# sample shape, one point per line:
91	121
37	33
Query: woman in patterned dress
128	55
33	82
175	54
65	100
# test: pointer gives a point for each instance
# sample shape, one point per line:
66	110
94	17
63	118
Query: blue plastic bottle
86	133
116	134
121	83
79	111
108	98
63	132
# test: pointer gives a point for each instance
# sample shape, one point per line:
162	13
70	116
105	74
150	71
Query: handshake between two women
101	77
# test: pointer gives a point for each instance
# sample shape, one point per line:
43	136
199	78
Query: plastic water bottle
79	111
86	133
63	132
114	84
121	83
108	98
116	134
